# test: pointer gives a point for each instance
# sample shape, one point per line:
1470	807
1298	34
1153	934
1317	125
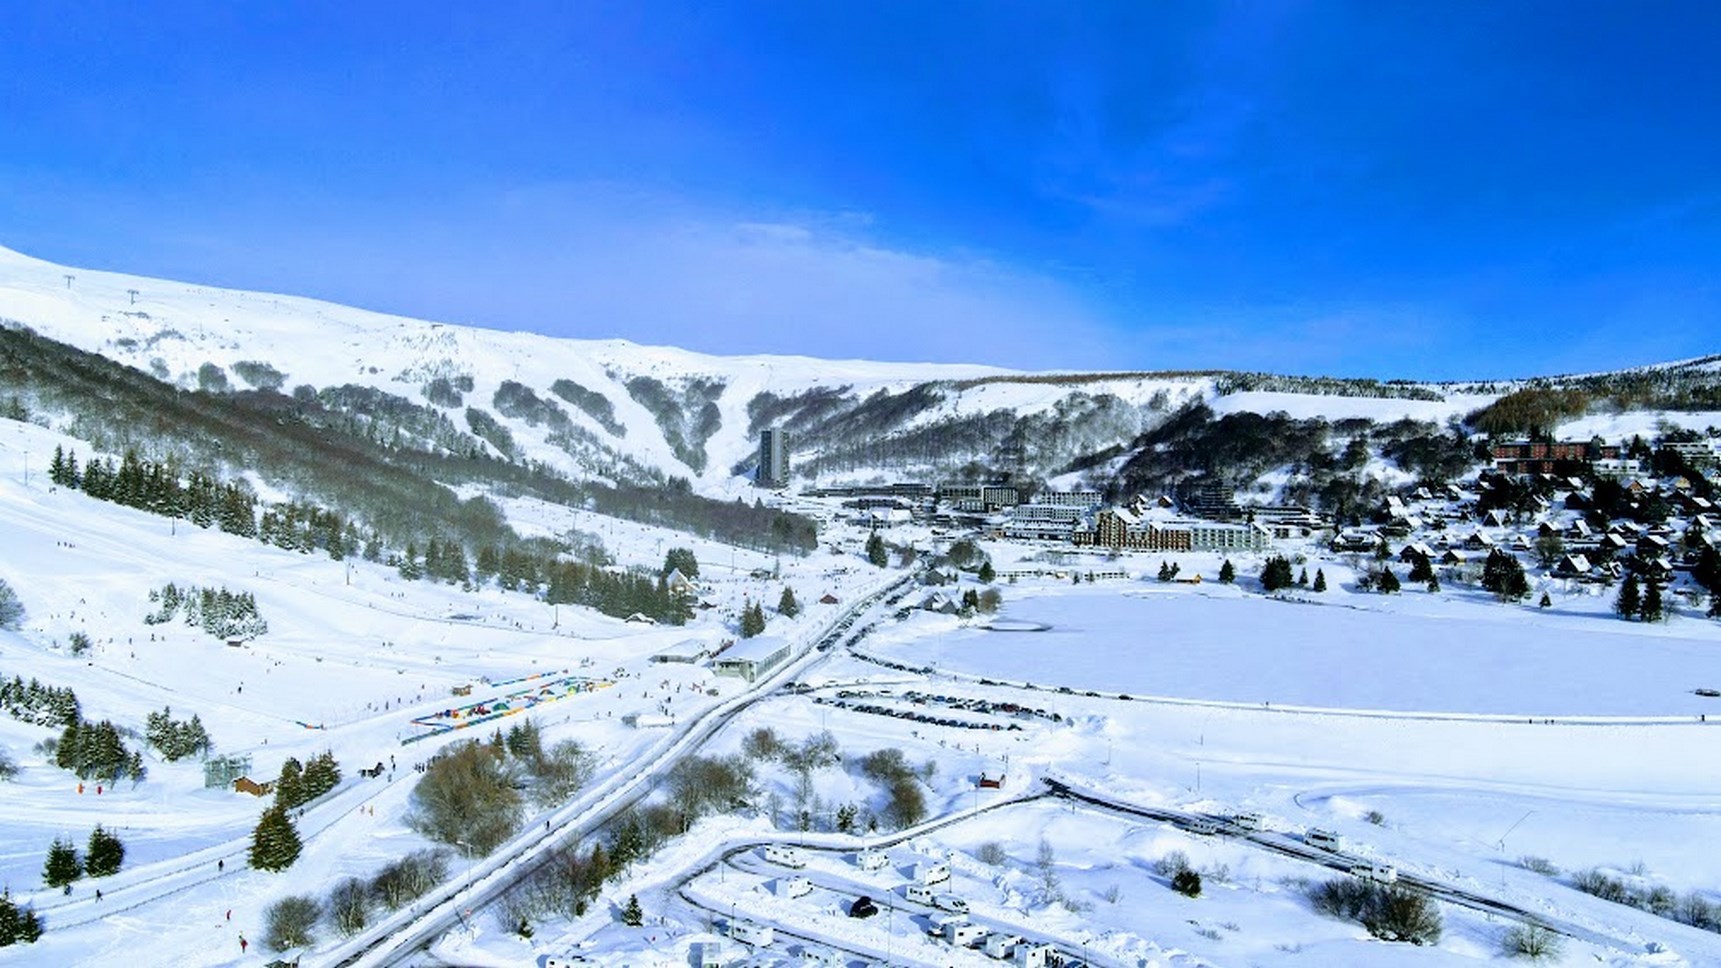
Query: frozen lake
1412	652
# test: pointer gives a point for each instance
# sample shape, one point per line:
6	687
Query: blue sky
1427	190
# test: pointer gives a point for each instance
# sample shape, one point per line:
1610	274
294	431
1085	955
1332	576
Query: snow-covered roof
756	649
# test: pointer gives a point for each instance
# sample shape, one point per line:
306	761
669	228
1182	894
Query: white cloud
601	263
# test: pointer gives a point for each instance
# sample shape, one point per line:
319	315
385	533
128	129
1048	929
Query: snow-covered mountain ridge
618	410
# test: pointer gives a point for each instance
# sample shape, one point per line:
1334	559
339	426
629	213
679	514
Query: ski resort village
333	638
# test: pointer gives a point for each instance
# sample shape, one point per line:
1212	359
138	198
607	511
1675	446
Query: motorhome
1001	944
950	902
963	935
1324	839
1382	873
753	933
792	887
1250	821
1032	955
932	872
788	855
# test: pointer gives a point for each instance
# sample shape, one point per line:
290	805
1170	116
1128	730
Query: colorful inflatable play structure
524	693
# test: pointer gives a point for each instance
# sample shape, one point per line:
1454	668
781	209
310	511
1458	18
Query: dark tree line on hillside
1328	459
388	487
1692	385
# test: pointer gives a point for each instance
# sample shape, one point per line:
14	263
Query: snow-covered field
1449	652
1412	724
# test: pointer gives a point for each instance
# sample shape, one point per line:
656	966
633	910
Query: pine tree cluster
219	612
752	619
176	739
301	783
1640	600
94	751
18	925
35	703
156	487
1504	576
1276	574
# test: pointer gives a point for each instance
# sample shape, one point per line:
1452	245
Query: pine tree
1320	580
1228	573
787	606
633	915
875	552
1546	602
17	925
321	775
752	619
1504	576
62	866
1277	574
105	853
274	843
987	574
289	787
1630	600
1387	582
1651	610
1303	578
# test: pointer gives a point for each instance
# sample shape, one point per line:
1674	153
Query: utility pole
133	294
69	278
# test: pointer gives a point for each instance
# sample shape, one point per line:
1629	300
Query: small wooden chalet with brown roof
247	785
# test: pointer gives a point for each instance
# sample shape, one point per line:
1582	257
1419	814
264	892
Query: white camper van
1250	821
932	872
753	933
788	855
792	887
1381	873
1324	839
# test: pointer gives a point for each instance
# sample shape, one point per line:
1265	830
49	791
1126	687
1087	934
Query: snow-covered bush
11	609
1532	941
288	922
